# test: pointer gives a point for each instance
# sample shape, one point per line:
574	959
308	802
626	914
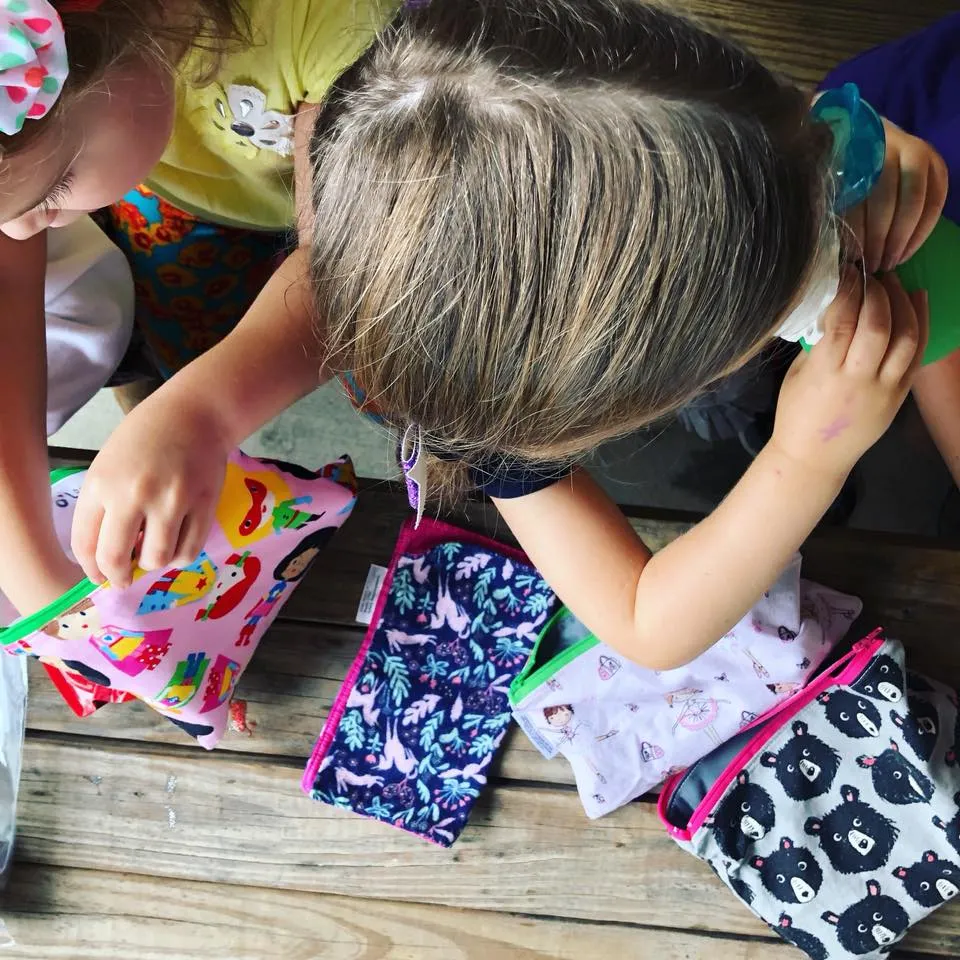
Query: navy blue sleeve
506	479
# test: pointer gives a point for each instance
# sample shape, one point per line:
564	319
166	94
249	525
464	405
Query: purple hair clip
414	470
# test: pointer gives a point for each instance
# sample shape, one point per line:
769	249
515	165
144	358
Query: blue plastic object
859	143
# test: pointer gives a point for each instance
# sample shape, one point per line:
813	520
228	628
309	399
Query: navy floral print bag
412	735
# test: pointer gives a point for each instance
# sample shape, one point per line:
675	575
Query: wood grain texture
227	819
289	689
806	38
67	914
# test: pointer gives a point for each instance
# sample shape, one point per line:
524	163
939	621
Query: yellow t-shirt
230	159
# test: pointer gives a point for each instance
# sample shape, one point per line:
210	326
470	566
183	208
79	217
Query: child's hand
839	399
160	473
904	205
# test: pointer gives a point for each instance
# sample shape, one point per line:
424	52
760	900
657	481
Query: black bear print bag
834	817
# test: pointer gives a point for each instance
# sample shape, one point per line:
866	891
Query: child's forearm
33	568
272	359
663	611
936	390
701	585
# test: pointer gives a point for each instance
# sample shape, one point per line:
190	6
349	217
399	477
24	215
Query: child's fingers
872	339
193	534
907	334
85	535
882	211
160	536
935	195
118	538
840	319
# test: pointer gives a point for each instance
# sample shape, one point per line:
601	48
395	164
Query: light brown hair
542	224
116	30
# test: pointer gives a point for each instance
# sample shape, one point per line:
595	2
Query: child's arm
33	568
162	469
663	611
937	393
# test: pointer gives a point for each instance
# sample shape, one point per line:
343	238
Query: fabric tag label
371	590
535	736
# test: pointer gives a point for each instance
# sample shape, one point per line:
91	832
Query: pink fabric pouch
179	639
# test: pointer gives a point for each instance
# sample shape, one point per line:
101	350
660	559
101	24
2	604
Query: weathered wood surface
806	38
93	915
227	819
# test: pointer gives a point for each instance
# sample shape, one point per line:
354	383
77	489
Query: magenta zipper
412	540
844	671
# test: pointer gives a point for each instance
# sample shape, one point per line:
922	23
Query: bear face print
790	873
853	835
804	941
919	726
855	716
930	881
883	680
951	829
873	923
745	816
805	764
895	779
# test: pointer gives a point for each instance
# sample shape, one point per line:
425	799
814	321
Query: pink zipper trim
844	671
411	540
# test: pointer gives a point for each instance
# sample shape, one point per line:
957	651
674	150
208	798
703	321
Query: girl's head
543	224
110	122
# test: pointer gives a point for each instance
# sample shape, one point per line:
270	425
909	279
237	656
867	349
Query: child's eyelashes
57	194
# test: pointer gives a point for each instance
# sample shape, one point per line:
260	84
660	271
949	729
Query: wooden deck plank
227	819
805	38
289	689
68	914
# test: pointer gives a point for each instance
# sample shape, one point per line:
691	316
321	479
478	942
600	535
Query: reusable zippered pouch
179	639
624	728
834	817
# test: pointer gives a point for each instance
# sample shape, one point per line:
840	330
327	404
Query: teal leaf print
395	670
482	745
402	590
450	550
379	809
498	723
428	732
508	598
481	586
424	791
354	732
453	741
537	603
435	669
374	741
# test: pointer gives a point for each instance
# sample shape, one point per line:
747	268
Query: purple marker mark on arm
835	429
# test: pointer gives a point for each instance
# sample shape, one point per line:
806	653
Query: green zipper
61	473
533	676
26	625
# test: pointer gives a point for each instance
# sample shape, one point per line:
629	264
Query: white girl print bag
624	728
835	816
